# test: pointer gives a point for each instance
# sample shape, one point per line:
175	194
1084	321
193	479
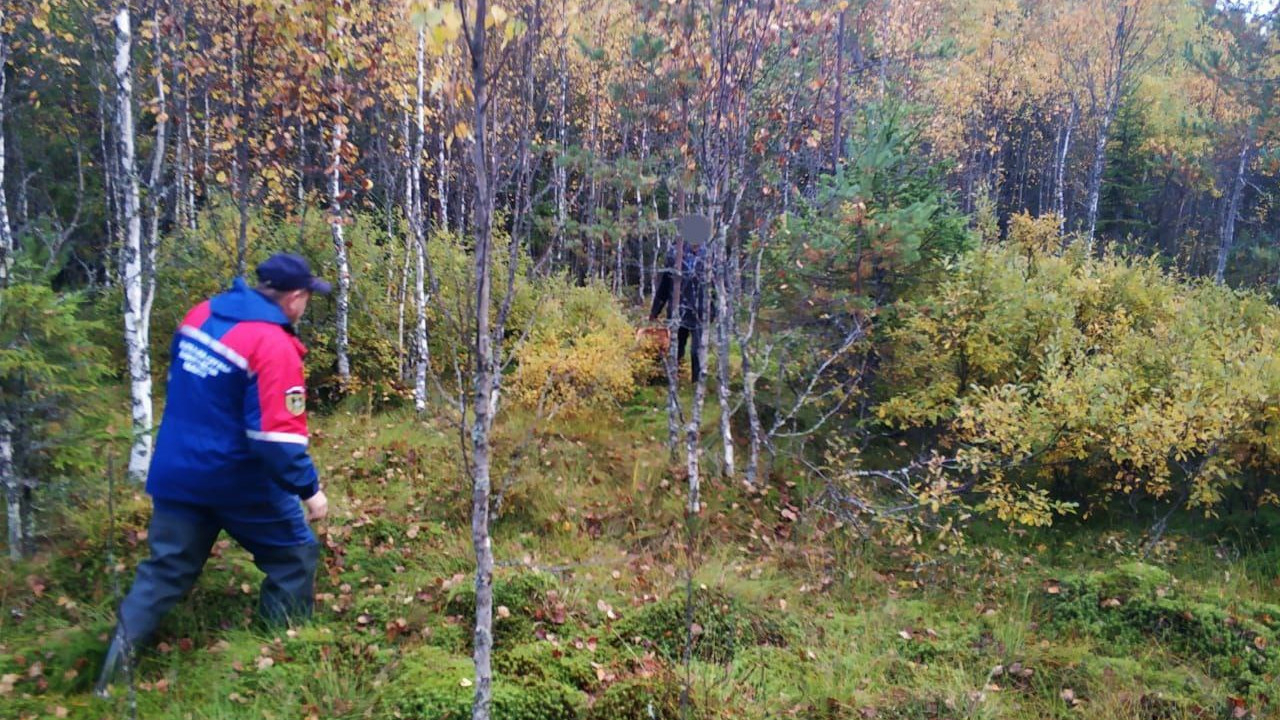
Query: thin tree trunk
240	171
724	318
155	193
188	167
111	191
659	248
1059	175
592	198
301	199
786	156
749	375
442	186
837	140
208	144
7	247
561	172
484	385
672	361
1125	49
462	205
12	492
183	210
620	244
135	321
693	428
179	169
339	131
402	363
1233	209
644	162
423	356
401	355
1095	174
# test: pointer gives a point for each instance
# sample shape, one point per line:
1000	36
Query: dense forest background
981	273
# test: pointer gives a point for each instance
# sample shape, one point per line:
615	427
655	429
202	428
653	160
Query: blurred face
294	304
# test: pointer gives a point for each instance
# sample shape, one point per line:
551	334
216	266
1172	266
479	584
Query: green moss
437	686
68	659
1134	603
724	625
1095	676
523	593
542	661
652	698
772	673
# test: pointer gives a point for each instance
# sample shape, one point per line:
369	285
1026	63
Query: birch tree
476	30
417	223
338	126
7	246
1127	35
132	279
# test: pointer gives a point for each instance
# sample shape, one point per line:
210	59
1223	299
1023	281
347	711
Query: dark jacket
693	299
234	431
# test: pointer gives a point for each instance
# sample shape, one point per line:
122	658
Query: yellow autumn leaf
452	19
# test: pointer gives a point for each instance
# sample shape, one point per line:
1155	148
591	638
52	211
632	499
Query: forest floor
793	616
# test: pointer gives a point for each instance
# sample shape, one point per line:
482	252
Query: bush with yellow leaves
1065	380
580	352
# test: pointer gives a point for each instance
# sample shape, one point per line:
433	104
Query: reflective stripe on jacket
234	431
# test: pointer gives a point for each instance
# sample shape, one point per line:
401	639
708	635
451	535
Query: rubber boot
119	657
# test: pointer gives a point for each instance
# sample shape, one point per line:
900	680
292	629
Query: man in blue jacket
232	455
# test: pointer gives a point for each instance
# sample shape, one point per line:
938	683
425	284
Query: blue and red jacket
234	431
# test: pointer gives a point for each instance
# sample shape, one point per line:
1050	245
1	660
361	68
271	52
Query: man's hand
317	506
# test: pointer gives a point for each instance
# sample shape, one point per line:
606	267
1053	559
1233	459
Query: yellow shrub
581	351
1077	378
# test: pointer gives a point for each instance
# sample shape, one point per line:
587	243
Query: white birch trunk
131	269
442	186
672	360
1059	179
1096	170
749	378
7	246
423	357
484	386
1233	209
402	363
723	321
12	492
339	131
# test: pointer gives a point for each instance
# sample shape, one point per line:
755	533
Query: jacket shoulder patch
295	400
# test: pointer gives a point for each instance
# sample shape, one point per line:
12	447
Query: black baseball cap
286	271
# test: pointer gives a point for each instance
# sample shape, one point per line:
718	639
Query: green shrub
1070	379
51	373
580	352
724	625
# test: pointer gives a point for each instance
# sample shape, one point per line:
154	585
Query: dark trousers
695	362
181	537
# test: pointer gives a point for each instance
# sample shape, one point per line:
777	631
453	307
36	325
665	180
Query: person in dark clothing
232	455
695	229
